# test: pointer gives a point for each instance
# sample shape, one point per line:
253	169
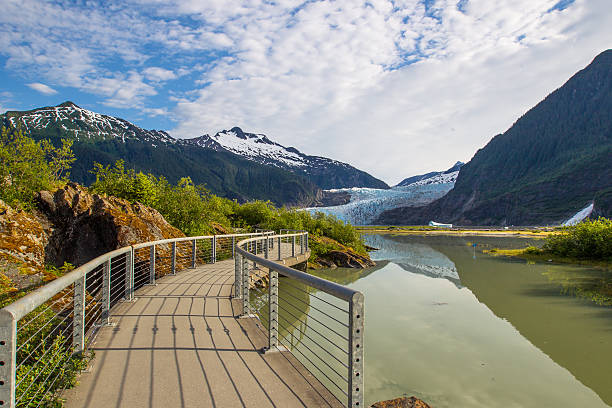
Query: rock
23	238
349	259
87	225
337	255
403	402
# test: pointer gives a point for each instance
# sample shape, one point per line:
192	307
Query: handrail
311	352
324	285
79	312
77	304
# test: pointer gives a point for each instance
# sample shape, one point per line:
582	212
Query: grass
538	255
428	230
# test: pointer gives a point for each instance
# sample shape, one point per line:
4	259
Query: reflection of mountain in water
414	257
575	334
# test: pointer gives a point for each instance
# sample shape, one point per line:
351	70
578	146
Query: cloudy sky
394	87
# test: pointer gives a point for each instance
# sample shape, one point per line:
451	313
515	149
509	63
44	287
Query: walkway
180	344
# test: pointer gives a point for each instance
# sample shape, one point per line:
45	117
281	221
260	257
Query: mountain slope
324	172
105	139
550	164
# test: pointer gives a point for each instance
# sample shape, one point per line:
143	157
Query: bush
27	166
591	239
265	215
188	207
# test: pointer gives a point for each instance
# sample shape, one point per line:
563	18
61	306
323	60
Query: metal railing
46	331
319	321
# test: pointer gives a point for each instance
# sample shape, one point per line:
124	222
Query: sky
393	87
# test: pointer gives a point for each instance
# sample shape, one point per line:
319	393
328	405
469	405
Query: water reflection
574	333
458	328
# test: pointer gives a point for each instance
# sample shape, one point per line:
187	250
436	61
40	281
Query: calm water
459	328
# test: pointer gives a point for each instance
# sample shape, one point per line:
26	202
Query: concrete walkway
180	344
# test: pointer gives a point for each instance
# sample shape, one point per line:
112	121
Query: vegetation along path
180	343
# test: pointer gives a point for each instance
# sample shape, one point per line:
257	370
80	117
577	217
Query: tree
27	166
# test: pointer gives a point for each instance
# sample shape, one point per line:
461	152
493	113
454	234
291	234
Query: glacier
366	204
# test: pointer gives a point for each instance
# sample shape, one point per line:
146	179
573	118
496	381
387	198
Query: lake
459	328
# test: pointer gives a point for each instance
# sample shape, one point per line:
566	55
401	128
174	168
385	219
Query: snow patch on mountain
255	147
84	124
442	178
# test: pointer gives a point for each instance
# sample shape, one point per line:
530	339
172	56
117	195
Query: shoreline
457	232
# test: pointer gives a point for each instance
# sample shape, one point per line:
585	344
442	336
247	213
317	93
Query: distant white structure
437	224
580	215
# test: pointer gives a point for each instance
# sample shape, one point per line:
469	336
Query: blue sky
395	87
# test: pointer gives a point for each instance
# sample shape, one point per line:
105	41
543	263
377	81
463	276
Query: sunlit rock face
87	225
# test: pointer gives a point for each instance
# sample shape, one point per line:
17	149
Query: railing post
245	286
152	266
266	247
233	247
279	248
306	242
293	246
193	254
106	289
273	310
214	249
129	275
302	244
355	390
78	313
174	258
8	351
238	276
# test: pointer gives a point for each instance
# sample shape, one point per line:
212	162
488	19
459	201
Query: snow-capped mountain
327	173
103	138
366	204
256	147
70	121
448	176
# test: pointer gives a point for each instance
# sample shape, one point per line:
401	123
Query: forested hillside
554	161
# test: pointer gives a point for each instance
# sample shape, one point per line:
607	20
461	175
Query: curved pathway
181	344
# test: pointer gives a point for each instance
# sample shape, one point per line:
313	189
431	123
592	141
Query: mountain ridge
105	139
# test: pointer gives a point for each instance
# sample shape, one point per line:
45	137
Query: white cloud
158	74
42	88
393	87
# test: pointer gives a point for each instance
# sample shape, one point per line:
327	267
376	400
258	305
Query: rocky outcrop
87	225
23	238
403	402
331	198
331	254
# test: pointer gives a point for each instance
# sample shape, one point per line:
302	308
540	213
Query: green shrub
27	166
591	239
188	207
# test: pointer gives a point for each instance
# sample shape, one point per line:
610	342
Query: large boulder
87	225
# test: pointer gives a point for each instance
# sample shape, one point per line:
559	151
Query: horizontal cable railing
319	321
43	335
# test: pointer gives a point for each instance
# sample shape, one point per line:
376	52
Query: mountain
105	139
554	161
324	172
453	172
232	163
361	206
